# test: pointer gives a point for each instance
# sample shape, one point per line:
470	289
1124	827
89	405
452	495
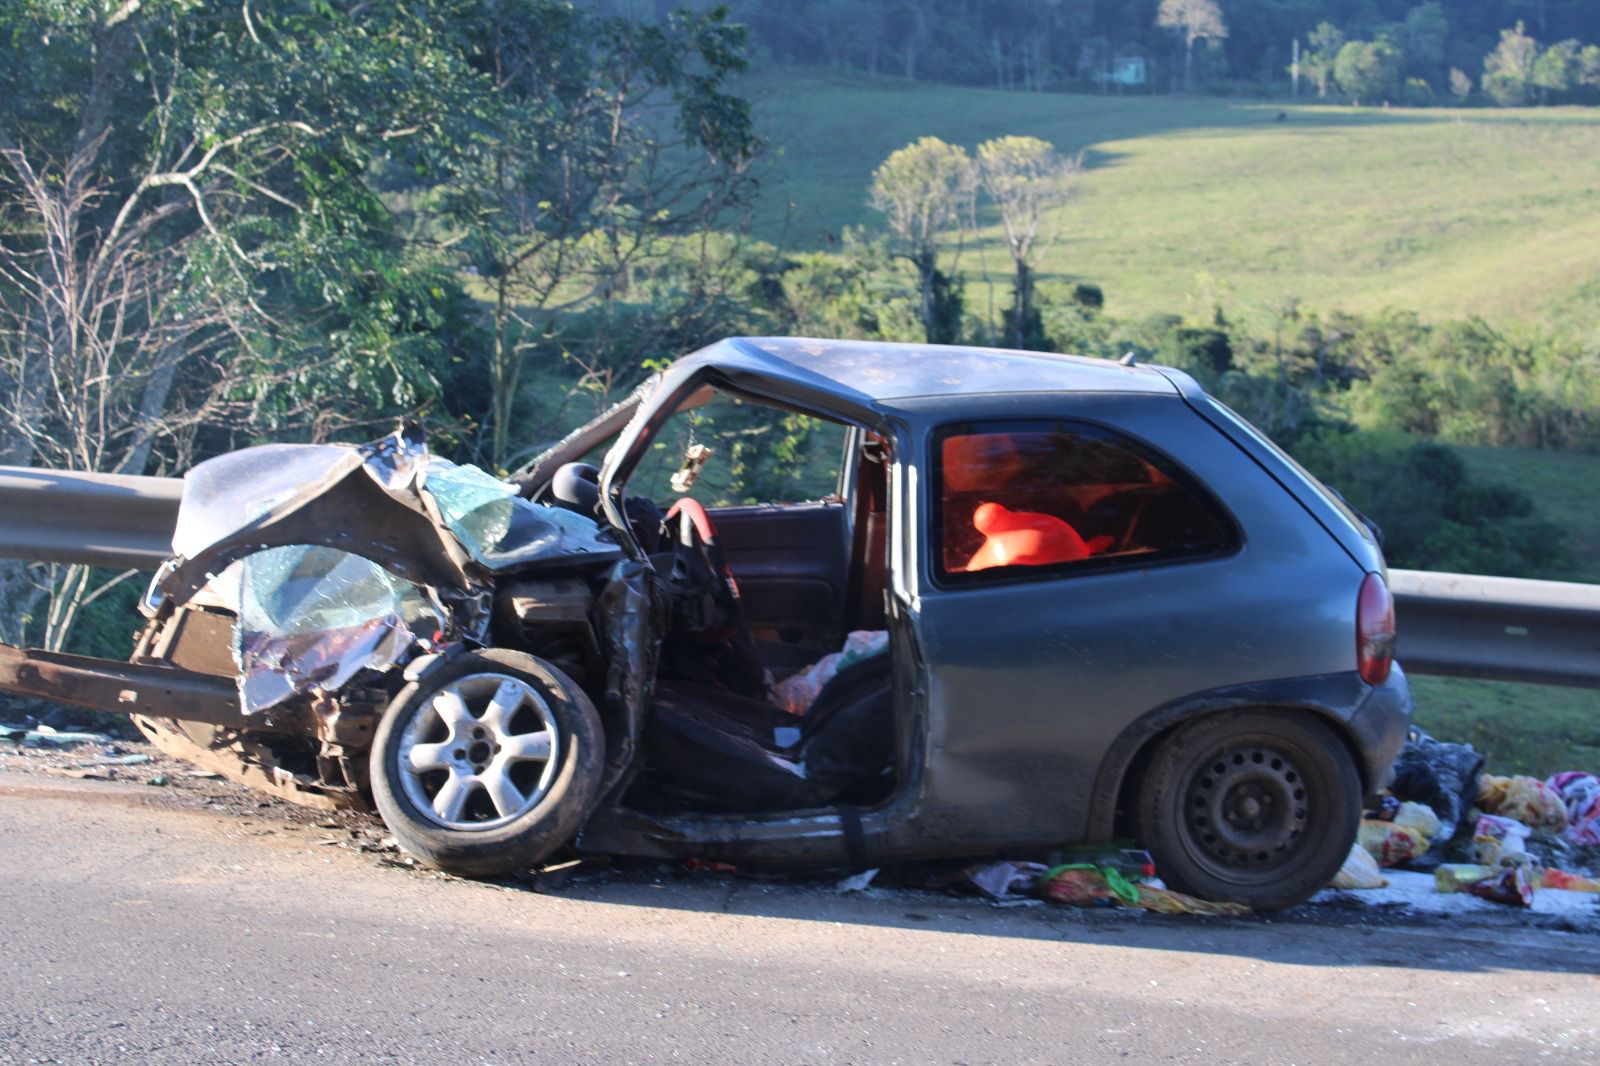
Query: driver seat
713	750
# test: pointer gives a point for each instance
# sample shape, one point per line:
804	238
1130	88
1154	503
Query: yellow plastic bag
1419	817
1360	870
1527	799
1388	843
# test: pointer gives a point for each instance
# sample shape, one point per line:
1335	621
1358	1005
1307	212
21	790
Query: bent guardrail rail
1458	625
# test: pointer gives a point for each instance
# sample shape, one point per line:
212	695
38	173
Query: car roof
882	372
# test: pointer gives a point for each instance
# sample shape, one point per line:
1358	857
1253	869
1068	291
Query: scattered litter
1002	880
1085	885
1419	817
1510	884
122	760
1526	799
1496	839
405	862
1389	843
209	776
1441	775
554	876
798	692
1551	878
43	736
160	780
1360	870
857	882
1580	794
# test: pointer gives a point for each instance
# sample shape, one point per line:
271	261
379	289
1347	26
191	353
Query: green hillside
1447	212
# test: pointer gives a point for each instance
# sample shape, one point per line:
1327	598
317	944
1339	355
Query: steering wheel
698	564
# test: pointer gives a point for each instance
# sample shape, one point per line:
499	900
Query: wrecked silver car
966	603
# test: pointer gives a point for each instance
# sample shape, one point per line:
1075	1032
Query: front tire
1253	807
488	764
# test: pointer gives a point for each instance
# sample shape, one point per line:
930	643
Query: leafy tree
922	190
186	244
1025	177
1557	69
596	138
1460	85
1367	69
1326	40
1589	66
1422	36
1195	20
1508	70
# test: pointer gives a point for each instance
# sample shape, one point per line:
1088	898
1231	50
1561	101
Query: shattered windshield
500	529
312	618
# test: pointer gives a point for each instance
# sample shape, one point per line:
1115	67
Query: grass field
1535	729
1447	212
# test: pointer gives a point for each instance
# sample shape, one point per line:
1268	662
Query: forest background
1369	225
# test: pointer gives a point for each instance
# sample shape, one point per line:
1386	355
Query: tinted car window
1062	495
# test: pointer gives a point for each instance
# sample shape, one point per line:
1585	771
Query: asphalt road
142	927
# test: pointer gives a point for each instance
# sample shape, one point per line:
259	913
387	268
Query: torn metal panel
633	620
345	508
311	619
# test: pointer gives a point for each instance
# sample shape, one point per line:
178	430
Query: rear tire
488	764
1253	807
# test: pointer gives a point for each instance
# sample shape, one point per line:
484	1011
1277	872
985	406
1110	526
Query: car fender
1372	720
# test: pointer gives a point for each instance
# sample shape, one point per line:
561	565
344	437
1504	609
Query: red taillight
1374	630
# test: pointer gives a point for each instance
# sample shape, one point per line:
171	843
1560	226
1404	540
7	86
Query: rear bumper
1379	725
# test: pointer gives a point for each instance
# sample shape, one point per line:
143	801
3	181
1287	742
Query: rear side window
1016	498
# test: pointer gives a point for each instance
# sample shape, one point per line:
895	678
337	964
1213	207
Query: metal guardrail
64	516
1459	625
1498	628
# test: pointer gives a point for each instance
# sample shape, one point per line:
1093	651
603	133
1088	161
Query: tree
1508	70
1460	85
1367	69
1557	69
1026	178
1422	38
1196	20
185	239
921	190
598	139
1325	40
1589	66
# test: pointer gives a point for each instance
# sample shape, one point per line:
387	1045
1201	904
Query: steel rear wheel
1253	807
489	764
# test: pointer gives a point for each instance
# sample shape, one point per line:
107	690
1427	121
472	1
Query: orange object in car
1026	538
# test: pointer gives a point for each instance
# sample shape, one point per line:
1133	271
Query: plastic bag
1497	839
1444	776
1360	870
1420	817
1553	878
1512	885
1527	799
1580	795
1390	844
1459	876
1083	885
1080	888
1166	901
796	694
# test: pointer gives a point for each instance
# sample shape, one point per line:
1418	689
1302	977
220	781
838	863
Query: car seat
711	749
